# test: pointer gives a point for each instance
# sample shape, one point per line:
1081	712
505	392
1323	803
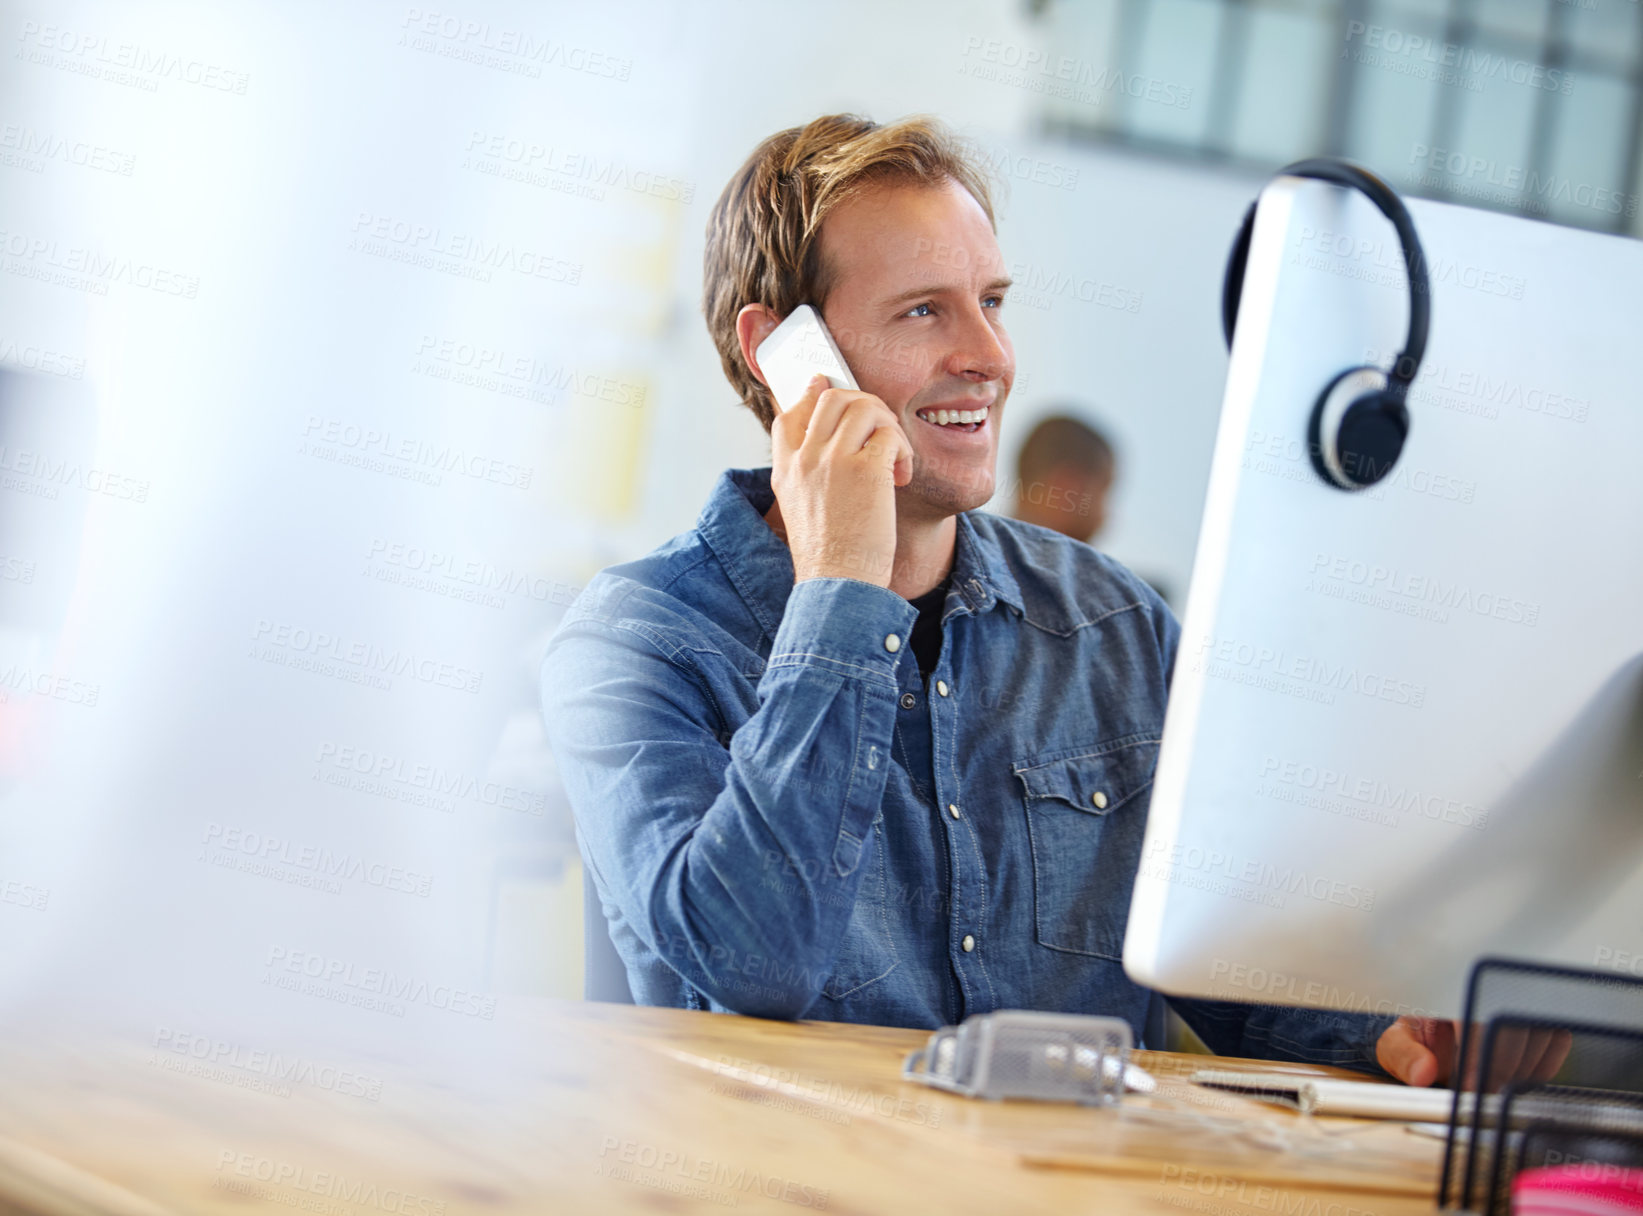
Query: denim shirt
780	819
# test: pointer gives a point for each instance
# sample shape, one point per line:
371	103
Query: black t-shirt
927	629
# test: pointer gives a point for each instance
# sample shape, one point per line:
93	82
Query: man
1064	473
850	749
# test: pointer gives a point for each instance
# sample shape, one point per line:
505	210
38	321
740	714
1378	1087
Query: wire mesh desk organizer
1557	1053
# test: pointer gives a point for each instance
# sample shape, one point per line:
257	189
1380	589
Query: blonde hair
762	235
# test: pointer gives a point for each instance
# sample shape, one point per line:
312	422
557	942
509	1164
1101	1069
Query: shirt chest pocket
1086	816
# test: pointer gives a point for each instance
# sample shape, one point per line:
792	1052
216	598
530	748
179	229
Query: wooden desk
612	1109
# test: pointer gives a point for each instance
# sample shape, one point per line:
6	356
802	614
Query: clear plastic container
1017	1053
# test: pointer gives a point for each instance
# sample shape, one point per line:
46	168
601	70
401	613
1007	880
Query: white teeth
951	417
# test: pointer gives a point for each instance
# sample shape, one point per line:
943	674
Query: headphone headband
1344	173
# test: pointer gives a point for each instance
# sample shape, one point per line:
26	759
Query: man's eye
914	311
995	301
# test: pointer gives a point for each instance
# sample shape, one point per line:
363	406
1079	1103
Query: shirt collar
760	567
980	572
753	557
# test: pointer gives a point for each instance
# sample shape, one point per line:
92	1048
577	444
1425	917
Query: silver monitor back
1406	724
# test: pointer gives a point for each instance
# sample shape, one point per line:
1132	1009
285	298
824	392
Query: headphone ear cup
1372	436
1358	429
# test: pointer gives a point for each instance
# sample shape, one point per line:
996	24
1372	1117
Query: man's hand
1423	1051
1419	1051
837	458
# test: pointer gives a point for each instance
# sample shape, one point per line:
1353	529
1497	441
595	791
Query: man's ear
754	324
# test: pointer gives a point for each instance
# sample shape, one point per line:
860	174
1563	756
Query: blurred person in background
1064	472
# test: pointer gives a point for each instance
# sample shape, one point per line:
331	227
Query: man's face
918	285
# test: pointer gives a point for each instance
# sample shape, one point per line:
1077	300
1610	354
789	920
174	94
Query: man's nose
980	352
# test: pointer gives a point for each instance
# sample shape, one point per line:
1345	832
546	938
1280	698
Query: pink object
1591	1188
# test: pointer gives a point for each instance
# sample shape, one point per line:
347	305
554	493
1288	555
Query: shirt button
969	943
908	700
941	687
1100	800
952	809
892	643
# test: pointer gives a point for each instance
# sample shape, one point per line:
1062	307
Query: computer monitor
1406	723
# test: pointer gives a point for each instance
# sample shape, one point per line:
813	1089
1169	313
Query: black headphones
1360	423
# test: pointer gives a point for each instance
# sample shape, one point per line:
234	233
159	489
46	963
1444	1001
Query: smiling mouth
956	420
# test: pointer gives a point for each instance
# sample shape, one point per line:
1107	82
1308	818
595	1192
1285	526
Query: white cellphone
796	350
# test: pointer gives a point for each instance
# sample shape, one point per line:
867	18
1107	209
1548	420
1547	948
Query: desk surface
617	1109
